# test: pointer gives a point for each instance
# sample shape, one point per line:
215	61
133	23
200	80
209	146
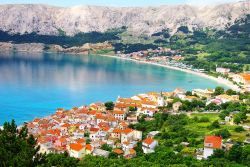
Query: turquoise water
34	85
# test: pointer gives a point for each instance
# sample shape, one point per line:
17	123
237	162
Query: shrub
224	133
239	129
204	119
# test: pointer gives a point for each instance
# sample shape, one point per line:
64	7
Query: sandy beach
219	80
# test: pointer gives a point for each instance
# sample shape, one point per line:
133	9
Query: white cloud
209	2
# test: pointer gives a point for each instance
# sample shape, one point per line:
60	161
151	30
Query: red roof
80	141
88	147
94	129
118	112
36	120
213	142
76	146
148	141
118	151
117	131
127	130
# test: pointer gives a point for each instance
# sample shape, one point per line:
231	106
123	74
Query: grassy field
202	130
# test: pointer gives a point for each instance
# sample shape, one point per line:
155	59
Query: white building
210	144
76	150
222	70
148	145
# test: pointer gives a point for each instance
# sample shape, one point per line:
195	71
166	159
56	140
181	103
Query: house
226	98
160	101
98	106
211	143
207	93
61	142
148	145
246	127
222	70
137	135
148	111
116	133
76	150
228	118
127	135
149	104
132	119
123	106
119	114
88	149
244	79
214	101
94	136
176	106
100	152
130	153
45	146
153	133
118	151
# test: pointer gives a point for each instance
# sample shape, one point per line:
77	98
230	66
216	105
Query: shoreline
219	80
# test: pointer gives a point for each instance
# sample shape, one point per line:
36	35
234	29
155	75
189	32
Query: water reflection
34	84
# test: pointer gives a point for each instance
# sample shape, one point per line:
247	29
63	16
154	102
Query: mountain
50	20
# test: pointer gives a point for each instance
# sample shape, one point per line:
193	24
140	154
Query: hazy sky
116	2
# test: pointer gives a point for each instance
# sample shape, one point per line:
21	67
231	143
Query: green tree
231	92
60	160
237	119
235	153
106	147
109	105
219	90
214	125
17	147
245	156
188	93
224	133
239	129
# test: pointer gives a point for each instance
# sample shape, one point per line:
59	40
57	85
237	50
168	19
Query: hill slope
51	20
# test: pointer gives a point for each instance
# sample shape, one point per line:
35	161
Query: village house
130	153
149	104
211	143
148	145
76	150
127	135
207	93
120	115
132	119
100	152
176	106
227	98
148	111
244	79
222	70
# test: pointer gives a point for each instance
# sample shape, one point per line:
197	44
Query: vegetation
17	148
109	105
61	39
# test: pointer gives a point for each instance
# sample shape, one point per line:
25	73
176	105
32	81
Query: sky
68	3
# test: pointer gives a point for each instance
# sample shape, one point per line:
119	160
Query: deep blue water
35	84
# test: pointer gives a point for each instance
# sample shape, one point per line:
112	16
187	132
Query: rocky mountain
50	20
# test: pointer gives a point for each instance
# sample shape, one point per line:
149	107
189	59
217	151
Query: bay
35	84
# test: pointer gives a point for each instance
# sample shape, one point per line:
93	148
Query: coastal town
173	59
104	129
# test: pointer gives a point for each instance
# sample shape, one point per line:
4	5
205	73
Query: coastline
219	80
